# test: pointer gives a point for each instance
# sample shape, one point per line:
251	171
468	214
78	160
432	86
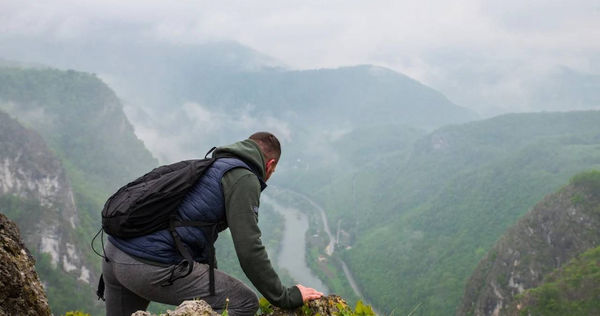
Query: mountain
302	107
68	147
419	220
80	117
559	228
359	95
213	93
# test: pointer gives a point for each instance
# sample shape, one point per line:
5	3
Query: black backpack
149	204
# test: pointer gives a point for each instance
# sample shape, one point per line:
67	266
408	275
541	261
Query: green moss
577	199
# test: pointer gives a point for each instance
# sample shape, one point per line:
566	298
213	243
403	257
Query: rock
21	292
193	308
187	308
327	305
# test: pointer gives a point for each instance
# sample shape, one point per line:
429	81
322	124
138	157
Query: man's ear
270	168
270	165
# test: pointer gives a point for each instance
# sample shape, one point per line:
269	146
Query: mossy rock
326	305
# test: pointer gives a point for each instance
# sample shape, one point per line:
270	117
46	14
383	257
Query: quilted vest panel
204	203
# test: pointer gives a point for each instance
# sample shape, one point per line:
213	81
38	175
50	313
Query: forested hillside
419	224
559	228
83	122
85	139
203	95
306	108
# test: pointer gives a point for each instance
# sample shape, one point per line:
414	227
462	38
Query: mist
194	129
493	57
414	135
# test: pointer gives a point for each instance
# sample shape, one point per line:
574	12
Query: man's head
271	149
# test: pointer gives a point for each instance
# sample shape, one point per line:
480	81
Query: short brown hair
269	145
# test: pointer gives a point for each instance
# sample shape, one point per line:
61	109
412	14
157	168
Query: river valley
292	256
293	245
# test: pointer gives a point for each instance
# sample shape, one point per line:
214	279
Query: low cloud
445	44
191	130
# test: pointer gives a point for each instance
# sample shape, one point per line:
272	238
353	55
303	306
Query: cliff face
573	289
21	292
561	226
35	192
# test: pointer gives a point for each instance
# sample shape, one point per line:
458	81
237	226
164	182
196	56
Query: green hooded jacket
241	190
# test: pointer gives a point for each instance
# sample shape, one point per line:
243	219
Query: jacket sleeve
242	194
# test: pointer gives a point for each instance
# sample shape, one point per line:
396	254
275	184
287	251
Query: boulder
21	292
187	308
326	305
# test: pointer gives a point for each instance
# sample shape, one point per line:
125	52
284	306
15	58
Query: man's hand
308	293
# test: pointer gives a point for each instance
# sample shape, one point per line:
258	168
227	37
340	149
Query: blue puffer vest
204	203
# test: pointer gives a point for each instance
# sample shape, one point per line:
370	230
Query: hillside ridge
560	227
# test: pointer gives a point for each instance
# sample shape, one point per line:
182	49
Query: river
293	249
293	245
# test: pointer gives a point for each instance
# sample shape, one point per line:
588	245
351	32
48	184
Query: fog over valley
437	158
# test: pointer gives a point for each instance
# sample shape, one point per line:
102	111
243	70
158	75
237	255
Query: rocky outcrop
574	289
327	305
558	228
187	308
21	292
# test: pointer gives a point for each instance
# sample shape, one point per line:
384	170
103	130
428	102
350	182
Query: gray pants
131	285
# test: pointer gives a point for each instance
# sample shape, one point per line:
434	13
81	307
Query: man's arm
242	193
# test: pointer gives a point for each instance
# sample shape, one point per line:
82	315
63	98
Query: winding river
293	245
332	240
293	249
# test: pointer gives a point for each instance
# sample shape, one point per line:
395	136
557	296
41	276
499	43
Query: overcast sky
468	49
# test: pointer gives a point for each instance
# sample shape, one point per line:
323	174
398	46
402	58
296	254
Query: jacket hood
246	150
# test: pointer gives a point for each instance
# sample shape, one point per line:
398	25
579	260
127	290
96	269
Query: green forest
423	216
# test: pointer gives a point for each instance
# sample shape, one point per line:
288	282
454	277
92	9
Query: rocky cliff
557	229
35	192
21	292
573	289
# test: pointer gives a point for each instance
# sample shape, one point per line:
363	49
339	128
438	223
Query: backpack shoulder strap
174	223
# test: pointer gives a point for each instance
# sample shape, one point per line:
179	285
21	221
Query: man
144	269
